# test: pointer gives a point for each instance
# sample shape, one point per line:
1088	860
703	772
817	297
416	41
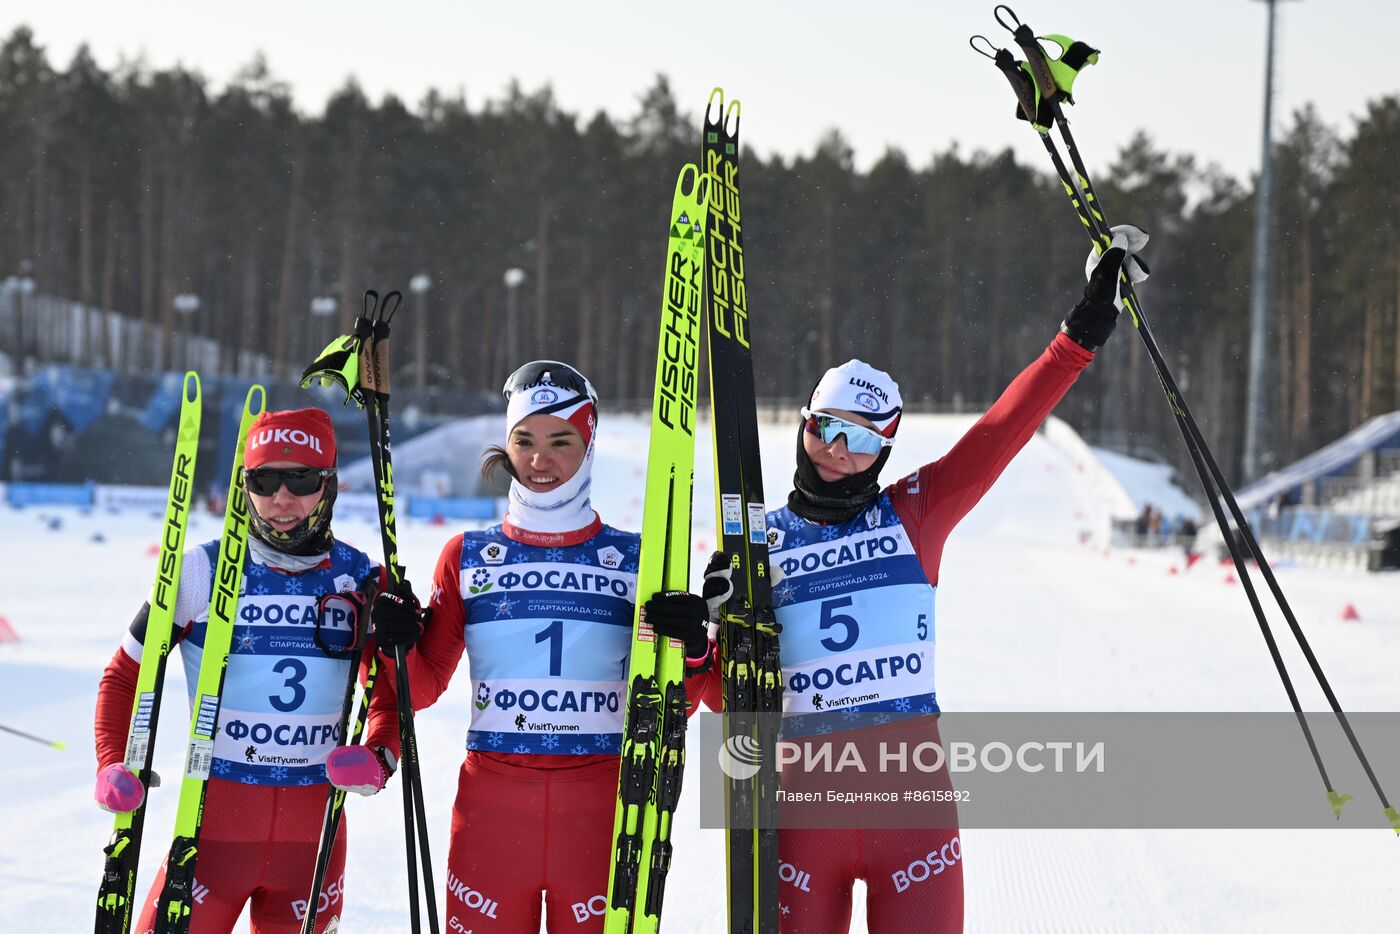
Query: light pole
186	304
323	307
514	279
419	285
1257	421
15	289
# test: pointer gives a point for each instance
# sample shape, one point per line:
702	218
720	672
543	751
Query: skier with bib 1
542	605
293	637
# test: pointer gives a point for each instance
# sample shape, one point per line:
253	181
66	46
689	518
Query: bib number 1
554	635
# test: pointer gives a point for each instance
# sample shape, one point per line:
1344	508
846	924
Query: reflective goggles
859	439
549	373
299	481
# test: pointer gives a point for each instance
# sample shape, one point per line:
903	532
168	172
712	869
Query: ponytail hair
495	461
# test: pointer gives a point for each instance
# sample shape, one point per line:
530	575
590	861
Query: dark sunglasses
299	481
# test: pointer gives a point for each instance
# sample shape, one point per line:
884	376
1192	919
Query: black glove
398	618
681	615
1090	323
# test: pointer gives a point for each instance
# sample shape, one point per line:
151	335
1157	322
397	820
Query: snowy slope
1149	484
1031	617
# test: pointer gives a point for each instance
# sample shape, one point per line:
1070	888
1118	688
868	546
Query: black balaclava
818	500
310	536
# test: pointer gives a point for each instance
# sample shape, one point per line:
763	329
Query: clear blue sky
885	73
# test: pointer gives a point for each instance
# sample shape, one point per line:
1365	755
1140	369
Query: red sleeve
432	661
705	686
375	583
116	691
115	694
934	499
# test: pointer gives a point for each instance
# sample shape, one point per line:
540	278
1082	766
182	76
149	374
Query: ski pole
1050	81
335	800
339	363
55	743
1061	72
382	463
1045	106
358	363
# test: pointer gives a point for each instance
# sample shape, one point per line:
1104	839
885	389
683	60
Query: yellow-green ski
176	899
653	735
116	894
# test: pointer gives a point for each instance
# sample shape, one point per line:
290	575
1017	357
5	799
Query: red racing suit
542	617
262	822
913	875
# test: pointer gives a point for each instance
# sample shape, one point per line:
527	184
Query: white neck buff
562	509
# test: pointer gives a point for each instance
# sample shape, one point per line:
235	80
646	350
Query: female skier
860	569
282	695
542	604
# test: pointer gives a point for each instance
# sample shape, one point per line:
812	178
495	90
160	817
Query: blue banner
465	507
79	394
50	494
164	402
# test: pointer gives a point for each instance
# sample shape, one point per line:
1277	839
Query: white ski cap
549	387
856	386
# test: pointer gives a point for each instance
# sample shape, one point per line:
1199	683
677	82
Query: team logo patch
494	553
866	401
610	557
344	583
775	538
544	397
872	517
480	581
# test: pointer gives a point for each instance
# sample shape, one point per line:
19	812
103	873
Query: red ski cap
303	436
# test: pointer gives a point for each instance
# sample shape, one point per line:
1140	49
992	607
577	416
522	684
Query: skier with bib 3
293	640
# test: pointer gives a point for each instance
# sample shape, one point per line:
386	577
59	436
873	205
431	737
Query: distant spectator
1186	535
1144	522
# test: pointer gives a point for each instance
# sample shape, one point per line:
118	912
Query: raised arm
934	499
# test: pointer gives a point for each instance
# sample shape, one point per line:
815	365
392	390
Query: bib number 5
850	629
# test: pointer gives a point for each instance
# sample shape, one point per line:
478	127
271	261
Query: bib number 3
297	669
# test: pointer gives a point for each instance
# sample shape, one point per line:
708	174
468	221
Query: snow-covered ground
1035	613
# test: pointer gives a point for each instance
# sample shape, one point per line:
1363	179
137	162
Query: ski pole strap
1030	105
339	364
354	362
1054	77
